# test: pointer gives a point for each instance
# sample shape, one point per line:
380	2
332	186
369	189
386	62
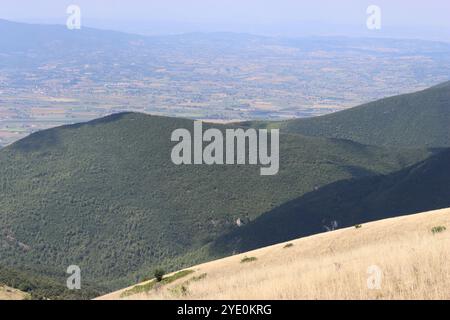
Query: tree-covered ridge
411	120
40	287
105	195
421	187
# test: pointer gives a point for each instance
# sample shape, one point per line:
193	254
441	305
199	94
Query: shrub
183	290
358	226
155	283
288	245
200	277
248	259
159	274
438	229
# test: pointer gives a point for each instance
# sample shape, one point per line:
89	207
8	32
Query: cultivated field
399	258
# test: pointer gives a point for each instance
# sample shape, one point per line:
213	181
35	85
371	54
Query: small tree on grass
159	274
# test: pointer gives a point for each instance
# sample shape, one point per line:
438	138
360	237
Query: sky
414	18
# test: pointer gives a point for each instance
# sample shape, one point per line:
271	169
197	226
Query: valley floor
399	258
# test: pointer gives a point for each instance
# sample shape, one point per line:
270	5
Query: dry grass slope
414	264
7	293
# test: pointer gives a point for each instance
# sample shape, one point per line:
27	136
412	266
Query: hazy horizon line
362	34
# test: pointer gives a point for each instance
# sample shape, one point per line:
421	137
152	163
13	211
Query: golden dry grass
7	293
414	264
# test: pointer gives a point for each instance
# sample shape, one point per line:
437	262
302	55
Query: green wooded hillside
419	188
410	120
105	195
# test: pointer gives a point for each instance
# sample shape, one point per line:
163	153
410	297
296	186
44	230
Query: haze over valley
51	76
319	168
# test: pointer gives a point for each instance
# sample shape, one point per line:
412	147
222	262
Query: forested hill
421	187
409	120
105	195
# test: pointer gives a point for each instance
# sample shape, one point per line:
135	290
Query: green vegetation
410	120
198	278
288	245
154	283
159	274
43	287
183	288
358	226
176	276
419	188
438	229
105	195
140	288
248	259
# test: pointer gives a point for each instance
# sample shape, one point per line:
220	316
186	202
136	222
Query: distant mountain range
53	76
105	195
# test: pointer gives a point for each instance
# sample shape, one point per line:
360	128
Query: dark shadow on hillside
419	188
357	171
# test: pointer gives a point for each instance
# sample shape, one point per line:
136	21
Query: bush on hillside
438	229
248	259
159	274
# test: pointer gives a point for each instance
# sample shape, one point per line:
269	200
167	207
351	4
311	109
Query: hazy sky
430	18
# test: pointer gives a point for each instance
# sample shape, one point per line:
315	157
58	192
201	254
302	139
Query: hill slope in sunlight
398	258
7	293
